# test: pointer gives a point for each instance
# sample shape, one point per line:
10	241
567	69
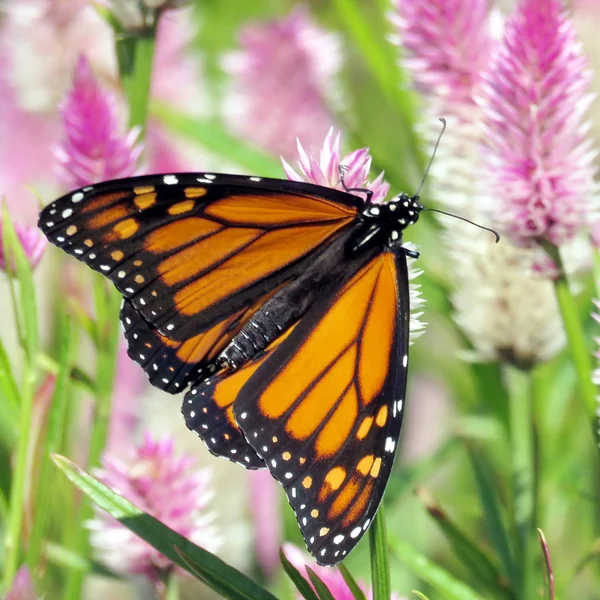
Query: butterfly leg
367	192
411	253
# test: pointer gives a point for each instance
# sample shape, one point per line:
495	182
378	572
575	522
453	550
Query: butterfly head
405	209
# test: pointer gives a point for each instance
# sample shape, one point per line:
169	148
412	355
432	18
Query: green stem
523	475
107	329
18	485
135	52
380	566
171	587
580	353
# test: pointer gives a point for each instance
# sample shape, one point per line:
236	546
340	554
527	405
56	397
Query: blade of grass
15	255
447	586
218	575
419	595
466	551
107	303
357	593
379	56
578	347
24	276
322	590
380	566
296	578
218	140
523	477
489	495
67	344
548	563
9	407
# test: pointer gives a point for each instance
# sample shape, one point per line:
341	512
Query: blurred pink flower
265	506
22	586
127	402
166	486
331	577
94	148
41	42
539	158
281	82
325	170
32	240
447	43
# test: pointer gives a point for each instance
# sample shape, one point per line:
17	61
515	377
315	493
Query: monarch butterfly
281	307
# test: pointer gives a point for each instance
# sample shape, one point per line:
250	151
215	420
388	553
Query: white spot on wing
389	444
355	532
67	213
170	179
78	197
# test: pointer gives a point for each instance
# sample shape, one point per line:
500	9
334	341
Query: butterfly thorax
384	223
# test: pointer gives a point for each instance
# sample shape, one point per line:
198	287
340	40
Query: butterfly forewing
188	250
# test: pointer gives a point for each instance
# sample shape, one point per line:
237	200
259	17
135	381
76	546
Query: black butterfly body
281	307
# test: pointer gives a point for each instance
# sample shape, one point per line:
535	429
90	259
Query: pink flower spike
32	241
94	148
326	169
447	43
539	158
163	484
281	82
22	586
331	577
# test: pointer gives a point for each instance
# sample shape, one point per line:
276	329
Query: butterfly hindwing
332	397
322	406
189	250
208	411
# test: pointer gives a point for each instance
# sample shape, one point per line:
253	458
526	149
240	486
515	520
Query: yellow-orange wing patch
324	410
208	409
189	250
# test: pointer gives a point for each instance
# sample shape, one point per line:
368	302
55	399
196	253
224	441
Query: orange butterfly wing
323	406
189	251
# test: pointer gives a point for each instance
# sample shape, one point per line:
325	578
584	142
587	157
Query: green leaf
351	583
15	255
218	140
380	566
51	439
222	578
381	60
488	494
548	564
300	582
67	559
9	407
472	556
447	586
322	589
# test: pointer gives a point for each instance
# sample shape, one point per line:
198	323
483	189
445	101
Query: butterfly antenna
496	234
432	156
